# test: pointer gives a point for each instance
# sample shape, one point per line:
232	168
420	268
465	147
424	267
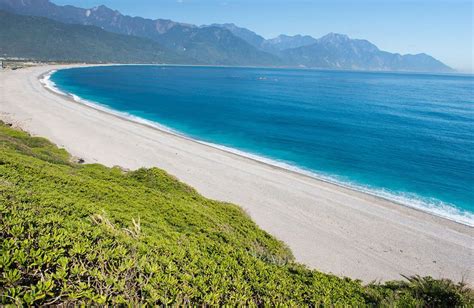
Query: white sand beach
328	227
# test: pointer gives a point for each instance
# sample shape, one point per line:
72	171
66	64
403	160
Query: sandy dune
328	227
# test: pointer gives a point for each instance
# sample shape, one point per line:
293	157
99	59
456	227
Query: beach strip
328	227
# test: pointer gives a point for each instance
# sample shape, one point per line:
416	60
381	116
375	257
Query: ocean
401	136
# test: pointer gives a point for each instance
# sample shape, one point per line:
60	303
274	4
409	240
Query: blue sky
441	28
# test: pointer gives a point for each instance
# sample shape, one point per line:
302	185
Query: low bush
87	234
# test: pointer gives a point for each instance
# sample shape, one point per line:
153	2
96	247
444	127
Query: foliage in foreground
87	234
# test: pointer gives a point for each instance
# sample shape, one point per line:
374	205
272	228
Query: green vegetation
47	40
88	234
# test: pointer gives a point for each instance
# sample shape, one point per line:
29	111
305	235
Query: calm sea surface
407	137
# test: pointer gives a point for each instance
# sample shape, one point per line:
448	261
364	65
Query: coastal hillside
44	39
228	44
205	45
84	234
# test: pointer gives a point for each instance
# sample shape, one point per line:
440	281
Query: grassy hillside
44	39
88	234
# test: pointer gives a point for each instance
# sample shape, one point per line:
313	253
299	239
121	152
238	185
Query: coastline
317	219
441	210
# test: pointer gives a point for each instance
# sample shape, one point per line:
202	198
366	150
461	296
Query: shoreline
454	73
456	215
327	226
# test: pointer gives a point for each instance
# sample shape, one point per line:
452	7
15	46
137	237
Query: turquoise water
406	137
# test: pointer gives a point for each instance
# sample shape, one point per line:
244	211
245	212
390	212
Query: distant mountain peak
104	10
229	24
247	35
286	37
284	41
335	37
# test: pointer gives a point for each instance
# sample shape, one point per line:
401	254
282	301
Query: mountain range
48	40
215	44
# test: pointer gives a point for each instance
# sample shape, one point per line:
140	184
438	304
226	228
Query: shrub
87	234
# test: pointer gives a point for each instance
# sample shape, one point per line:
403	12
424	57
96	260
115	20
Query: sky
440	28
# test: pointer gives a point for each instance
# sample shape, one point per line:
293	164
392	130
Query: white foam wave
430	205
49	84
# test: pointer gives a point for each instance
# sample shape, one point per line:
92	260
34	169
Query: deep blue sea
406	137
